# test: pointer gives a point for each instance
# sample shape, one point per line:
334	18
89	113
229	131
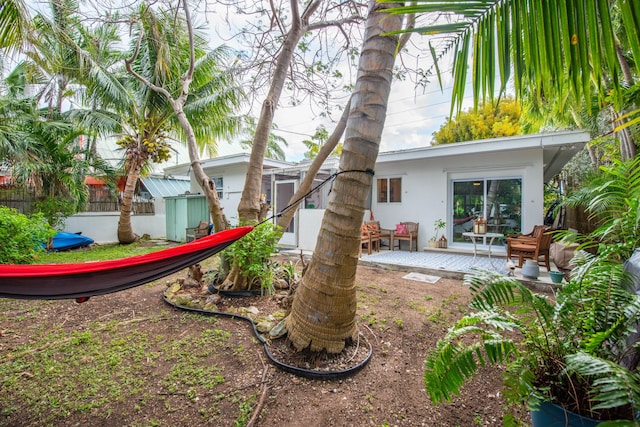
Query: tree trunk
316	164
249	206
206	184
324	306
125	228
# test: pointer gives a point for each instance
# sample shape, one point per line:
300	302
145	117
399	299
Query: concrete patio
453	263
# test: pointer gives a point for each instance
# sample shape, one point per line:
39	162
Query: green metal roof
165	187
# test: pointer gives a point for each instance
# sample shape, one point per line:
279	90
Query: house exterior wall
427	174
426	187
233	183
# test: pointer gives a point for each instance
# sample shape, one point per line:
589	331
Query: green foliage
572	352
22	237
251	254
439	224
275	142
490	121
612	200
579	340
318	139
55	210
569	49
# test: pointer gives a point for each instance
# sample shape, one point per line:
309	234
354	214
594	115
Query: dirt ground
401	318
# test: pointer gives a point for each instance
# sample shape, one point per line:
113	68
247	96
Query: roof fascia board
511	143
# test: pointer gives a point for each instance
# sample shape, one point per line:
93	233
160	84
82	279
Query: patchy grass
98	253
58	372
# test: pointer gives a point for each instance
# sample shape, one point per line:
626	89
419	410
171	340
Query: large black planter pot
551	415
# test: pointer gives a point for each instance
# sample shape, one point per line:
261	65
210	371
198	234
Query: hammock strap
331	178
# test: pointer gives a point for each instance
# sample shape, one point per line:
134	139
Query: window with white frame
389	190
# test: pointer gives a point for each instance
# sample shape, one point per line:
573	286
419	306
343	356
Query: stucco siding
426	186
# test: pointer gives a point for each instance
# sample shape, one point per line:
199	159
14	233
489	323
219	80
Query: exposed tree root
265	390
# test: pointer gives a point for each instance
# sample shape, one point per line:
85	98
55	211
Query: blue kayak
64	241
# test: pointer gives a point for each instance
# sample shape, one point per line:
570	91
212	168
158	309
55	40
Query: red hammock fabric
63	281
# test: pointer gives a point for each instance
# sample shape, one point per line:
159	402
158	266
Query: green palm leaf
549	45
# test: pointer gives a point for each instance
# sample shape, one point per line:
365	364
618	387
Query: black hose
311	374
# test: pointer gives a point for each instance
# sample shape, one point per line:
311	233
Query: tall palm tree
556	52
144	118
323	312
45	155
53	61
274	148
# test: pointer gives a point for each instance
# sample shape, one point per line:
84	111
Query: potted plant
568	353
439	224
577	355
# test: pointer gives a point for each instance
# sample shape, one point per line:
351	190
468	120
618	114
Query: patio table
475	236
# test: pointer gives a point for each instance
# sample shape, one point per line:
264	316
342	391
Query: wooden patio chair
382	233
405	231
367	238
529	237
531	249
201	230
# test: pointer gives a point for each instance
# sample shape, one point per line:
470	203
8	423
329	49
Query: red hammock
82	280
463	220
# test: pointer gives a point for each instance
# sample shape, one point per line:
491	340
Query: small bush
252	253
22	237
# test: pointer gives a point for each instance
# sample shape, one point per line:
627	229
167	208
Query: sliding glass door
497	200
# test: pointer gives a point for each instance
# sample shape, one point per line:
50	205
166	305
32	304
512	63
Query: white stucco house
500	179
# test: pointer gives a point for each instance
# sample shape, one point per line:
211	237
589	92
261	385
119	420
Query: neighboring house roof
233	159
165	187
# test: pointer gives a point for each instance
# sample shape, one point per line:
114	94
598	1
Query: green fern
578	338
578	341
613	385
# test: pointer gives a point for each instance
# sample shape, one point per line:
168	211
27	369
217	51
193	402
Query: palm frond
452	365
551	46
13	23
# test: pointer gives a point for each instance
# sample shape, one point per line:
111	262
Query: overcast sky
413	113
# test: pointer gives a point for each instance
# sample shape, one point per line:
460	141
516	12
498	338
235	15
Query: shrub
22	237
252	253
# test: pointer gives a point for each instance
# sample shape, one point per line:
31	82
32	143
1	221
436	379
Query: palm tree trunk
324	306
125	228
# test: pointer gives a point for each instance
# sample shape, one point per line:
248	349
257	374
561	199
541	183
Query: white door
284	192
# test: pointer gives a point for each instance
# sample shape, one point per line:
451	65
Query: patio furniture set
534	245
372	236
